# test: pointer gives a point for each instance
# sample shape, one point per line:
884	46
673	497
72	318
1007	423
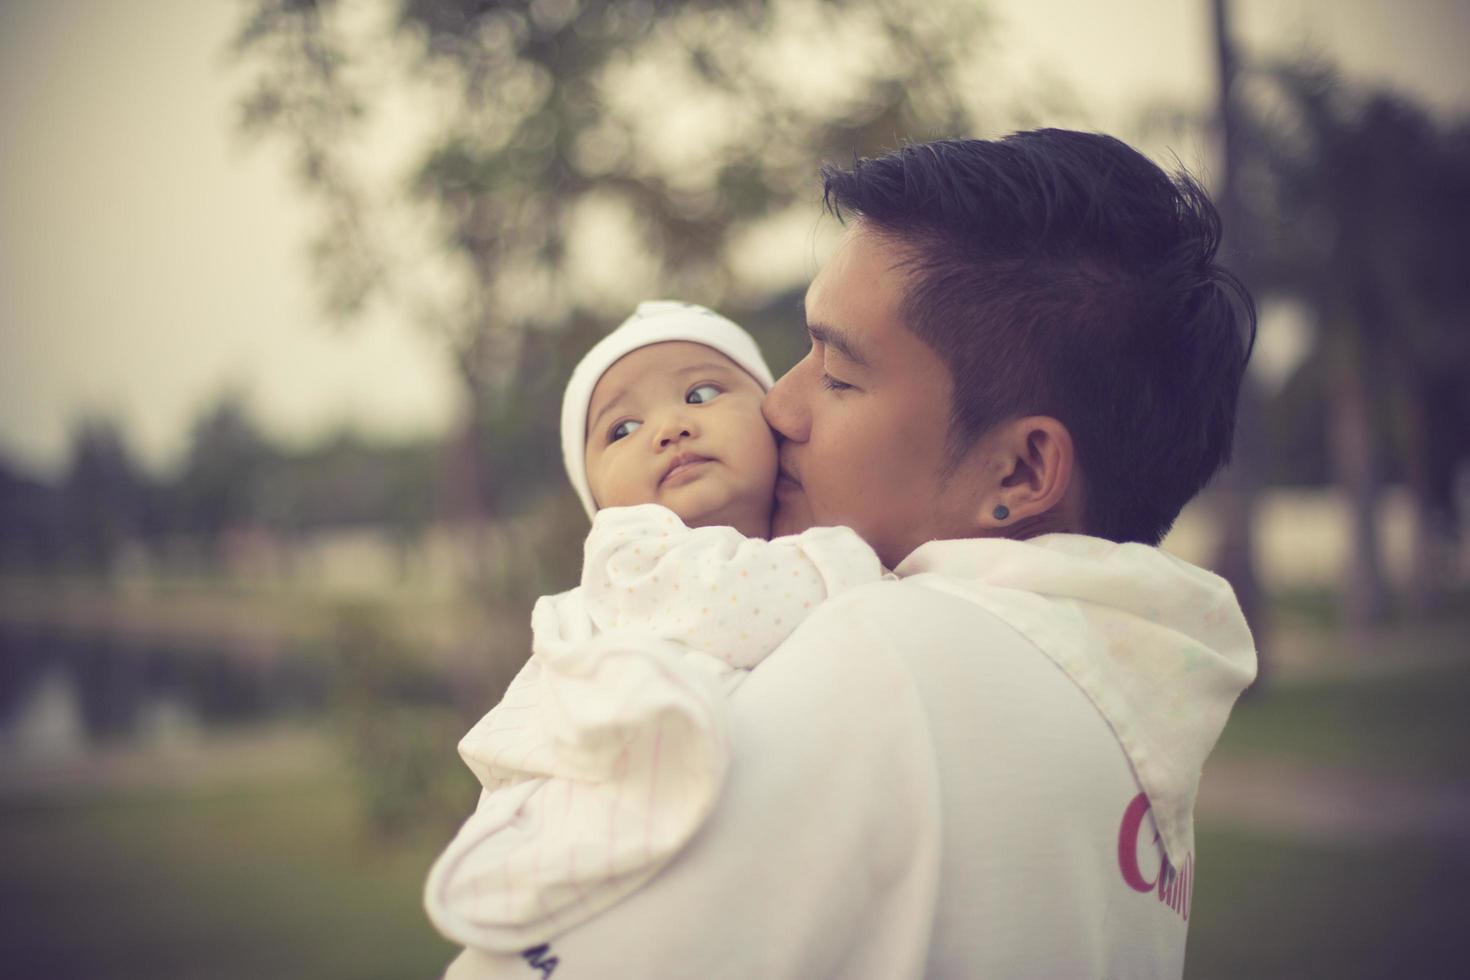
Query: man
1024	362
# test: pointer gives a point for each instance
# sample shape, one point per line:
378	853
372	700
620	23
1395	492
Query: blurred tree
32	529
346	480
580	156
1425	287
395	716
1362	201
1297	434
221	484
349	481
102	493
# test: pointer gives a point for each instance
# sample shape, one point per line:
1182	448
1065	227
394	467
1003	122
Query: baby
609	748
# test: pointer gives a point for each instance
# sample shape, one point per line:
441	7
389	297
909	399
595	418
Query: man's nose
785	408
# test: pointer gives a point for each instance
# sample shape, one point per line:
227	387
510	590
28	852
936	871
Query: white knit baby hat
654	322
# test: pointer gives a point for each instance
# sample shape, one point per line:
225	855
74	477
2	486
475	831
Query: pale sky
148	257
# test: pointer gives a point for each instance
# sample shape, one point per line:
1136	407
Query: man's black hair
1064	274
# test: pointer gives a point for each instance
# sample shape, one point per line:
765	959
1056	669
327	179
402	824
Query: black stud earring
1001	512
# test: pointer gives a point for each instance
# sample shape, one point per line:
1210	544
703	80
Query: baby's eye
702	394
623	428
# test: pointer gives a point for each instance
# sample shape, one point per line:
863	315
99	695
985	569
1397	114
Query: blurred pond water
62	692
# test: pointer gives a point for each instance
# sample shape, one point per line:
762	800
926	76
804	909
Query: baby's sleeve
712	588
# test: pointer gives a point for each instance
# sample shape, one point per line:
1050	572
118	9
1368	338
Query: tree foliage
222	482
232	477
578	156
103	493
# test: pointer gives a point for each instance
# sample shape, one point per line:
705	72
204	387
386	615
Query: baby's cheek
763	451
616	490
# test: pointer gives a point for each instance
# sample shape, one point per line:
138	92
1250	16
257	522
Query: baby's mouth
682	462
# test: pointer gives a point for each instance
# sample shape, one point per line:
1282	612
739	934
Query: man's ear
1038	491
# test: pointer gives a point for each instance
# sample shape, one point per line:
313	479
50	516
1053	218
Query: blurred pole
471	506
1356	466
1238	486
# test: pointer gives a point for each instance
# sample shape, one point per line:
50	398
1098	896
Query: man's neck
1049	523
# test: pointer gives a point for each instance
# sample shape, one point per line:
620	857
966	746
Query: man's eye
623	428
832	384
702	394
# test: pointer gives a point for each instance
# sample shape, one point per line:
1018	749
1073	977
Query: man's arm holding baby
822	850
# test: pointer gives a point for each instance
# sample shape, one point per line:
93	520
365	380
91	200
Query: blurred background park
288	294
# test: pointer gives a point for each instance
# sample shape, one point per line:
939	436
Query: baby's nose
673	427
673	434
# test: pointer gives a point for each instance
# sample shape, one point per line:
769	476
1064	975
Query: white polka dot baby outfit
609	748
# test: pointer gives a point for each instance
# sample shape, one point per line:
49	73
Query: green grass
277	878
1410	724
272	881
1268	909
1320	607
278	882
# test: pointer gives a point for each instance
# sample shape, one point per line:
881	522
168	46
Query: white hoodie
987	768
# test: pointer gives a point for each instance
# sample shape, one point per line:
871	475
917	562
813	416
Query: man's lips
682	462
786	481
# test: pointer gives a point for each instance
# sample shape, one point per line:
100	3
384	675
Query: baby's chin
751	518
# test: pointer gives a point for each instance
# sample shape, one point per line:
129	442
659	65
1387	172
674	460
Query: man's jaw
786	476
792	513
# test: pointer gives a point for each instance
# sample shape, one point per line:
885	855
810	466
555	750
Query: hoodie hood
1160	646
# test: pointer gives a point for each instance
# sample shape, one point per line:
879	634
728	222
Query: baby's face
679	424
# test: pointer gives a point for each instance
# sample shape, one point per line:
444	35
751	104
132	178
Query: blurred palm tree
1361	204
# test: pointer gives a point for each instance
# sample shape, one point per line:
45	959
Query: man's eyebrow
838	341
